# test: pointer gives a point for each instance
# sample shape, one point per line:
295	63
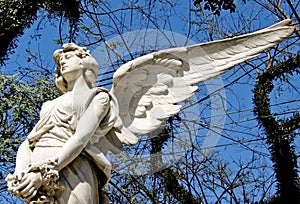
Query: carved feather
149	87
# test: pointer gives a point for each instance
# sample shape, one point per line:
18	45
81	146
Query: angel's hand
29	185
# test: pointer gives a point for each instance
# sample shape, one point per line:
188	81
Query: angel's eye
68	56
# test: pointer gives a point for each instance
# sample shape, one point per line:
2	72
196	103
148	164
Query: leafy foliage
215	6
16	16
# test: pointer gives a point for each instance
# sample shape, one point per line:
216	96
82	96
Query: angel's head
71	60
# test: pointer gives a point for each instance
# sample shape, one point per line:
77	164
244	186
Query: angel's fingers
20	175
27	189
31	193
24	177
22	185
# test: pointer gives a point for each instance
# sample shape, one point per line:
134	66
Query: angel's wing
149	87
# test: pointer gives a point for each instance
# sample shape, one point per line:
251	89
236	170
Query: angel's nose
62	62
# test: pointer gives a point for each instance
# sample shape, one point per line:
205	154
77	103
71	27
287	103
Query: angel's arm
23	157
86	127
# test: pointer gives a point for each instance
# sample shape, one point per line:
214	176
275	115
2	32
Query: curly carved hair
89	63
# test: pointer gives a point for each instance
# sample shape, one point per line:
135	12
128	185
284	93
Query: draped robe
82	179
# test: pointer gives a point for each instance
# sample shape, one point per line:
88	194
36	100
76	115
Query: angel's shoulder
48	106
101	96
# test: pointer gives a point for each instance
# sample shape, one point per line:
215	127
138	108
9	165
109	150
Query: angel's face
70	65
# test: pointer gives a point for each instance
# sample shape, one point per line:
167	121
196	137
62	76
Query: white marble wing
149	87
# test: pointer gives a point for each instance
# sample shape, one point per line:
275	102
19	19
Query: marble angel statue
63	158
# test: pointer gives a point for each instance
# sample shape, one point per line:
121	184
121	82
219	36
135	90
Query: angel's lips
63	68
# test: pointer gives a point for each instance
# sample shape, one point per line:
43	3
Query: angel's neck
78	84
